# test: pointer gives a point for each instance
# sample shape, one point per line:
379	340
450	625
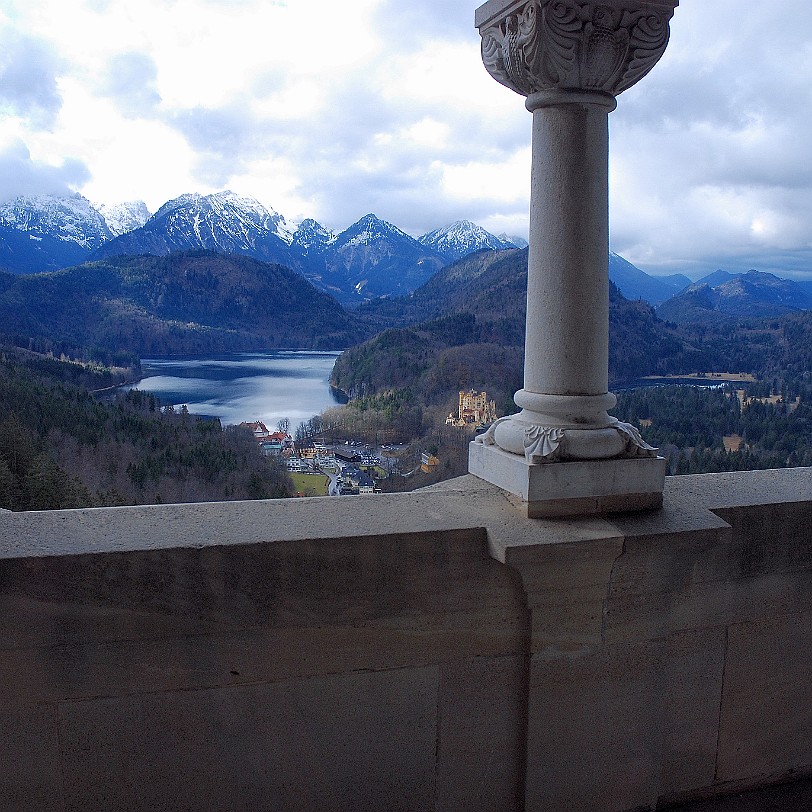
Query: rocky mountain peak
461	238
311	236
368	229
70	218
124	217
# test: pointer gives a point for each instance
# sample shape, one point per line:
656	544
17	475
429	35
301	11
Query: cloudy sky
329	109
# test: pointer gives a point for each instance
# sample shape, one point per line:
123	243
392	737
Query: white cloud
28	73
710	162
332	110
23	175
130	80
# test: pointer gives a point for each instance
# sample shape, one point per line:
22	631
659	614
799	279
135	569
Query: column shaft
566	345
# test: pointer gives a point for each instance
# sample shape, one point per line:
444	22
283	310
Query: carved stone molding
545	444
595	46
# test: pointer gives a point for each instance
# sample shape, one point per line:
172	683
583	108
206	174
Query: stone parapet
436	651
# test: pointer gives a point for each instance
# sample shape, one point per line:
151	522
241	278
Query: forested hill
61	448
192	302
466	329
474	283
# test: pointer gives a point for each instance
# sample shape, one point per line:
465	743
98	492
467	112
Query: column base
577	488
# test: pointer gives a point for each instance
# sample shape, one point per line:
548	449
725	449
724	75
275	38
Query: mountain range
636	284
369	259
722	296
46	233
465	327
462	328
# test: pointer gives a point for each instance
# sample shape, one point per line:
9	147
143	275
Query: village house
270	443
366	484
308	452
428	462
258	429
347	456
270	448
353	481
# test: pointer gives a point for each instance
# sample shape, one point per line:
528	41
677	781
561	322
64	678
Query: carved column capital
594	46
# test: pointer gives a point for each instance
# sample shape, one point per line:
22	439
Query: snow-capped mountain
368	230
374	258
124	217
72	219
311	238
519	242
225	213
48	232
224	222
371	258
462	238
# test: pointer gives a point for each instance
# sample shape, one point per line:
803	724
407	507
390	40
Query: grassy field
311	484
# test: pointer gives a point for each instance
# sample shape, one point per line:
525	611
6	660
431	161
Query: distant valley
221	273
406	359
463	327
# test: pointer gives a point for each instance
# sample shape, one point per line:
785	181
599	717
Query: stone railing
434	650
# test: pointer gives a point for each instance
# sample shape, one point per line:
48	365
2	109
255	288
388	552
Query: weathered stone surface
30	763
612	728
652	615
576	488
567	586
121	623
221	588
163	527
124	667
587	674
481	735
766	716
359	741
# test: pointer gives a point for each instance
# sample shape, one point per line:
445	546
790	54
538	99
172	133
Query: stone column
563	454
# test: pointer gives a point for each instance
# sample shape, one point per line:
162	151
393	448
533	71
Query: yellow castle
474	409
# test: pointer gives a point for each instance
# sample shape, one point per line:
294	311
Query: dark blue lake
242	387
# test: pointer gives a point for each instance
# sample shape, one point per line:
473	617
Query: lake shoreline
243	387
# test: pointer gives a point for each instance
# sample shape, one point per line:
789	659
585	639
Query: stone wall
426	651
